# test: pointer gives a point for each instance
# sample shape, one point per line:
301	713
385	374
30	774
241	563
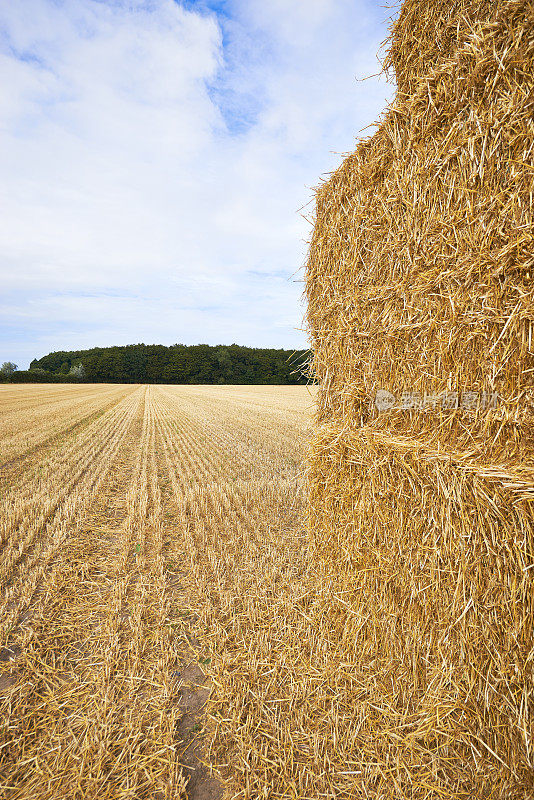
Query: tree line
179	363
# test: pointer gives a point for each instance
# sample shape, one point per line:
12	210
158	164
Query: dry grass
420	279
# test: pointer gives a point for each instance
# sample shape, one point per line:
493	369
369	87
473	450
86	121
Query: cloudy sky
154	158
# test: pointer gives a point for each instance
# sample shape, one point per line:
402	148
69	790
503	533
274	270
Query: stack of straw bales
420	283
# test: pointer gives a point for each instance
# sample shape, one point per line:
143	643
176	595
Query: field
153	554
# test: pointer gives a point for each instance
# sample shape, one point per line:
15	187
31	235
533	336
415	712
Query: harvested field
152	551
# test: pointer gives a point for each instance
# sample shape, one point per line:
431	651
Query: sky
158	160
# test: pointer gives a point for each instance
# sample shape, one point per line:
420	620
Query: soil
194	692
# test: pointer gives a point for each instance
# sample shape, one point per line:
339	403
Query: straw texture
419	283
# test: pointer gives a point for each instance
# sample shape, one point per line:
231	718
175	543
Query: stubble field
153	559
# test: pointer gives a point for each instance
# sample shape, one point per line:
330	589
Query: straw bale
434	561
420	269
419	282
427	32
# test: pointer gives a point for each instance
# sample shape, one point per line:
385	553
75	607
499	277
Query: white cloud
154	159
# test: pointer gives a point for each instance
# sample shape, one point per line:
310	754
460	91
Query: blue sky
154	159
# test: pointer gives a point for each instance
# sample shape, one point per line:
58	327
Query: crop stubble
152	552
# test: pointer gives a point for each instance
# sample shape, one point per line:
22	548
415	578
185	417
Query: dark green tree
193	364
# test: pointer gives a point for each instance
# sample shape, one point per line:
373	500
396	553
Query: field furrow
30	422
32	536
98	648
243	549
